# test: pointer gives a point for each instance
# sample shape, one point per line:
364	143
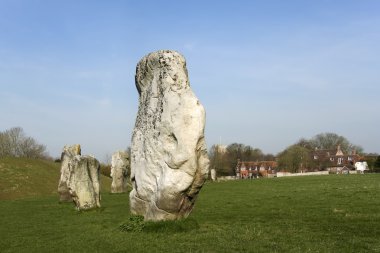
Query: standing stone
119	171
213	174
169	161
83	183
67	155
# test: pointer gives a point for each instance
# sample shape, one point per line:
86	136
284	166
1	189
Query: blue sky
267	72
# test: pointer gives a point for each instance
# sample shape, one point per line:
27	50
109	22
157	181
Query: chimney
339	151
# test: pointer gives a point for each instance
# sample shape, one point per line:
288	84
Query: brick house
334	160
251	169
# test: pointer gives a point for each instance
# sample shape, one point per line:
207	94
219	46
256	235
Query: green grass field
335	213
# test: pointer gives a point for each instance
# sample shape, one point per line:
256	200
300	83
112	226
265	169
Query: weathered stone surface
79	180
213	174
169	161
119	171
67	155
83	183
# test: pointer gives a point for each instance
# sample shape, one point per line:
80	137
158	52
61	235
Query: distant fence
288	174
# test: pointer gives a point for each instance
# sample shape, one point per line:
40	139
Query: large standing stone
119	171
83	183
169	161
67	155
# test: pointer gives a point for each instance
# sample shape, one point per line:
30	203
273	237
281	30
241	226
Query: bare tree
225	161
331	141
14	143
15	137
107	159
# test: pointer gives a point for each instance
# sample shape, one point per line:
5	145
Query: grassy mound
23	178
335	213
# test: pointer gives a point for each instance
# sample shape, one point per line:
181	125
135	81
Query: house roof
253	164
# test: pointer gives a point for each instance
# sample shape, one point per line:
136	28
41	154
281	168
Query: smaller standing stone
119	171
68	153
83	183
213	175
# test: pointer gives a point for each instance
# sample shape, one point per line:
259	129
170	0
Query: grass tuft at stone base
135	223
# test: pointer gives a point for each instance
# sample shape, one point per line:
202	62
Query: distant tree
31	149
377	164
239	151
107	159
105	169
371	160
331	141
294	159
225	161
269	157
14	143
306	144
4	145
234	152
288	157
10	145
257	155
218	161
246	152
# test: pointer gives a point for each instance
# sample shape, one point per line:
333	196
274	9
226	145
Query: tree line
291	159
298	156
15	143
224	159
